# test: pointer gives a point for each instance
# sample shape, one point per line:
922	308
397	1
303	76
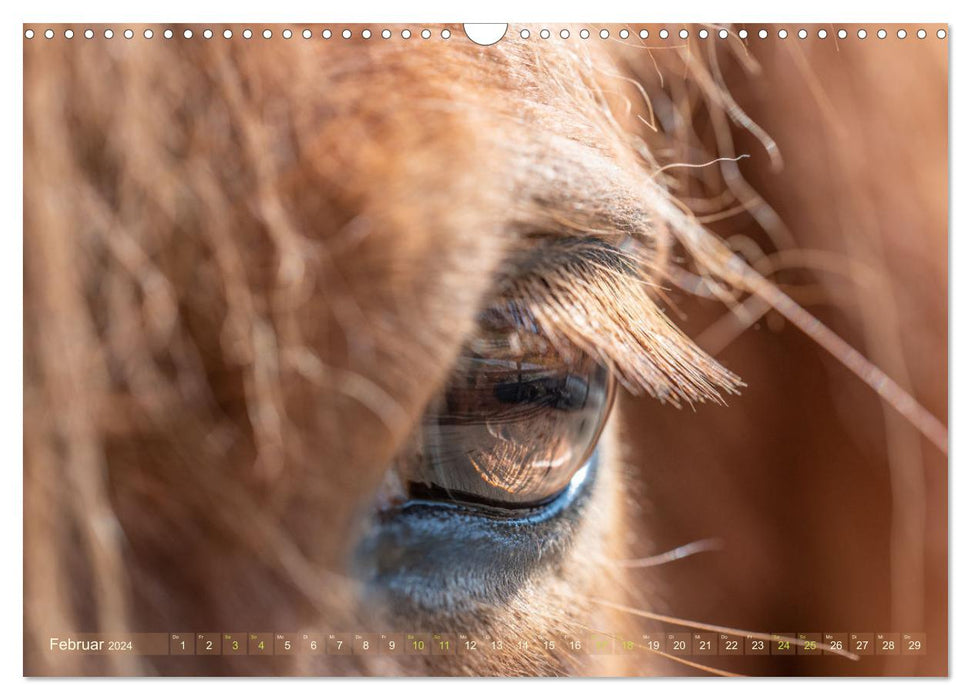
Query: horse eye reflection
515	422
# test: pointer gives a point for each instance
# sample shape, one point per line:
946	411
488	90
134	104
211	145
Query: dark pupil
566	392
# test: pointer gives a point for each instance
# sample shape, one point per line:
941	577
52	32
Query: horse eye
518	418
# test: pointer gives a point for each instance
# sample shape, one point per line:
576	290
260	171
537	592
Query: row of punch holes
524	33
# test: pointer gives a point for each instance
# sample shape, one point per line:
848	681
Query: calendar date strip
850	645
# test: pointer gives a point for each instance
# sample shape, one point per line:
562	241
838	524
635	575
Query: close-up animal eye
483	350
517	420
497	477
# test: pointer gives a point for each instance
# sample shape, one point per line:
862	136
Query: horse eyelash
591	294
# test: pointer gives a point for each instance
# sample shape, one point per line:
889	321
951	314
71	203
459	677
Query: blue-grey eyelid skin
446	559
520	516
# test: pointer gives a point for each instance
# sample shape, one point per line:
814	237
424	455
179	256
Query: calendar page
547	349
